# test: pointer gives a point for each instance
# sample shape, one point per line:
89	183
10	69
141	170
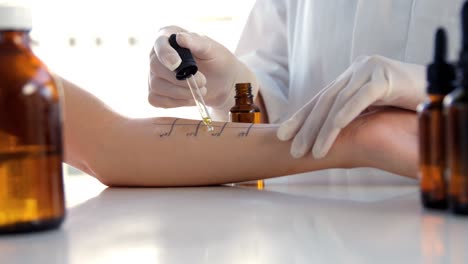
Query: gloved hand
369	81
219	69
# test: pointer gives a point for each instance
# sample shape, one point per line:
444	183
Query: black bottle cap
188	66
463	62
440	74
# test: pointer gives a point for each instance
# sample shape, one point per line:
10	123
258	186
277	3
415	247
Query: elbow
107	172
120	171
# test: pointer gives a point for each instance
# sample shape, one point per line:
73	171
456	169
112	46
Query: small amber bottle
441	77
31	184
456	109
245	111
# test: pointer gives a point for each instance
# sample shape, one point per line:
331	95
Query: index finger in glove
165	88
158	70
291	127
163	50
342	113
367	95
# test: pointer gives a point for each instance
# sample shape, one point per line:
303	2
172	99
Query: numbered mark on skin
241	131
218	134
195	133
164	135
245	133
168	134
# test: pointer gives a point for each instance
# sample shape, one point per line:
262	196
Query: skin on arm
386	138
120	151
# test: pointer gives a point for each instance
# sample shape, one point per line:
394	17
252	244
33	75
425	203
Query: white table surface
349	222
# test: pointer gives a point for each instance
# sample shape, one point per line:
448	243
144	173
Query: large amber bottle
246	111
31	184
432	163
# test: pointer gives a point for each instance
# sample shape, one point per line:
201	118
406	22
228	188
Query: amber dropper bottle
432	178
246	111
456	109
31	184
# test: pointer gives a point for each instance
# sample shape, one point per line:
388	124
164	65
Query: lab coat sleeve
263	48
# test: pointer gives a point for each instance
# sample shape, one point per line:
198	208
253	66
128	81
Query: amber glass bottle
245	111
432	163
457	147
31	184
456	109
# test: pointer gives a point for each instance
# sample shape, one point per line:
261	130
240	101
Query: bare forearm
176	152
173	152
87	122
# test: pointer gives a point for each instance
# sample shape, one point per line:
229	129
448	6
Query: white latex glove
369	81
218	71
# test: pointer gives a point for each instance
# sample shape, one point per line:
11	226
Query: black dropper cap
188	66
463	62
440	74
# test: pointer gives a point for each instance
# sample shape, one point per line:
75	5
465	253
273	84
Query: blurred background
104	45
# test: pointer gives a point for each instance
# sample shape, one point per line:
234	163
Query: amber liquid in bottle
432	153
245	111
456	107
31	184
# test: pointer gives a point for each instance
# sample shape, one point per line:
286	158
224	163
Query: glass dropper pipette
198	98
186	71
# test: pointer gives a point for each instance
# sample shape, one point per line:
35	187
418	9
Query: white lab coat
297	47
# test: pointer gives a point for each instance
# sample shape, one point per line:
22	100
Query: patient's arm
176	152
386	139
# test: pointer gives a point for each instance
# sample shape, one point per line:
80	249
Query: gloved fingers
305	132
163	50
356	83
333	125
200	46
342	113
327	131
325	98
169	30
366	96
165	88
166	61
340	93
305	137
289	128
323	145
160	71
166	102
358	78
200	79
166	54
